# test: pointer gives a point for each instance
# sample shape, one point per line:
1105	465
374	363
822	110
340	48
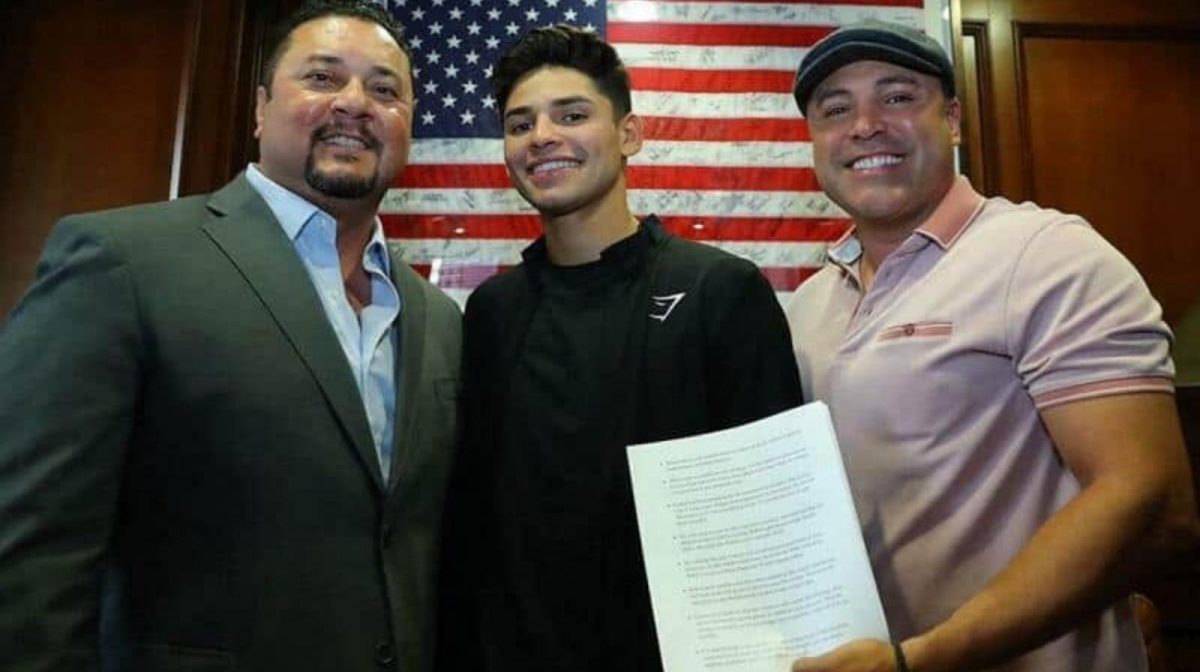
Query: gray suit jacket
186	470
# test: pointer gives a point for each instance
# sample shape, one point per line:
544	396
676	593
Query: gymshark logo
661	306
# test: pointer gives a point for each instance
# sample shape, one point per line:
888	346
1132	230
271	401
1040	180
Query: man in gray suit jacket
226	421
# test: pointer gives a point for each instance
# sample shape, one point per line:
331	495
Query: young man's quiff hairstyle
567	47
363	10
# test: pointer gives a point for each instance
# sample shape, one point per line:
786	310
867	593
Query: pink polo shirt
987	313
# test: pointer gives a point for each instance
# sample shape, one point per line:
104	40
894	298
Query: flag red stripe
464	276
528	227
711	81
726	130
716	35
737	178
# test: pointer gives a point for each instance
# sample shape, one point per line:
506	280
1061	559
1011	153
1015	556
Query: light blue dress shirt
368	339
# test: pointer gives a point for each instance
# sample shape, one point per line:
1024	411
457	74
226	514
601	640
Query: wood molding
1023	30
985	108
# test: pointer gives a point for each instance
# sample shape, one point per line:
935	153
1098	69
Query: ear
261	98
632	130
954	118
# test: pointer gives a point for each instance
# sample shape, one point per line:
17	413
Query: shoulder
1001	221
703	262
815	291
500	287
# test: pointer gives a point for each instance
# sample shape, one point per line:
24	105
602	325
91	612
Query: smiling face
564	151
335	124
883	140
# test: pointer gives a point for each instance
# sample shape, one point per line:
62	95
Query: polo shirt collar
949	220
953	215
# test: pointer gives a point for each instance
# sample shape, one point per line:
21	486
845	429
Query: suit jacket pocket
168	658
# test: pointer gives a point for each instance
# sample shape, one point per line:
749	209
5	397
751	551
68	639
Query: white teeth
346	141
875	161
551	165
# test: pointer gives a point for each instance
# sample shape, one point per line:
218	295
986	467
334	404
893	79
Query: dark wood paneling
114	102
1113	133
976	96
1092	113
91	101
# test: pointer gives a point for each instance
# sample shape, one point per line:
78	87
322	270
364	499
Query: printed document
752	547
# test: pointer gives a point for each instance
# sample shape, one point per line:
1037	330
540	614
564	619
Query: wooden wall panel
91	101
1113	133
114	102
1076	126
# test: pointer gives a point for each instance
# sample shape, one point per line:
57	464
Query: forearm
1085	557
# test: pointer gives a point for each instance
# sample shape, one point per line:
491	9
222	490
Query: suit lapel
246	231
410	348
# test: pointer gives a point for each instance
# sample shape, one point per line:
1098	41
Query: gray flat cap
872	40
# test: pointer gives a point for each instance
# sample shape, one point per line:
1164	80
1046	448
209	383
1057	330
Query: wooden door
1090	106
115	102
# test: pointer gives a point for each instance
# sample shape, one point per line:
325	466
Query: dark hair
568	47
363	10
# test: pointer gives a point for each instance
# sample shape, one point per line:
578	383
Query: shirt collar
944	226
293	212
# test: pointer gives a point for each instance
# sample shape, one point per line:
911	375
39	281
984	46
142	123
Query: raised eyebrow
822	96
517	111
570	100
565	101
896	79
326	59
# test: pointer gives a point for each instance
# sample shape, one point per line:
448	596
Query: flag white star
489	102
435	28
476	3
438	3
454	42
494	14
472	57
552	3
492	42
418	14
451	72
515	3
415	42
433	57
473	28
427	118
531	15
456	14
449	100
512	28
487	72
470	87
431	87
590	3
590	28
569	15
467	117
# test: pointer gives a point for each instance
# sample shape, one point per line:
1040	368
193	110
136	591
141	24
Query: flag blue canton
455	43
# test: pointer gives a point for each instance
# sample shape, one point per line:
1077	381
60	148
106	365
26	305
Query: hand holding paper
752	546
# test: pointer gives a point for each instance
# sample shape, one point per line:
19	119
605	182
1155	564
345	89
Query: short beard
347	187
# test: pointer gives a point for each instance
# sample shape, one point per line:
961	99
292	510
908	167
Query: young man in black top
611	332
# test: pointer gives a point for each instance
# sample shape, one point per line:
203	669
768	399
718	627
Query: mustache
330	130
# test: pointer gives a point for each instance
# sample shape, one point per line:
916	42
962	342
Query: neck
580	236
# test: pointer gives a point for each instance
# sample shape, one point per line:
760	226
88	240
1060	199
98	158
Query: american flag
727	159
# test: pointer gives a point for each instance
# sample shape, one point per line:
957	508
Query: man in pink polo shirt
1000	383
